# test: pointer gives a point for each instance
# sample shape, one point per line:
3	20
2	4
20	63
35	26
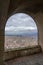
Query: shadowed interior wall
3	15
33	8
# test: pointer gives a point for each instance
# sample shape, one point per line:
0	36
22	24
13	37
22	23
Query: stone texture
33	8
36	59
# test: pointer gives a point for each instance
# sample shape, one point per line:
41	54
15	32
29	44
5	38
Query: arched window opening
20	31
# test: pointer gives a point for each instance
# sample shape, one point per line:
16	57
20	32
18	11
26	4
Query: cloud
19	22
12	28
20	19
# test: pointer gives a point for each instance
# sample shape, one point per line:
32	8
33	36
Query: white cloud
20	19
19	22
12	28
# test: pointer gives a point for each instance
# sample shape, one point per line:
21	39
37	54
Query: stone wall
25	6
21	52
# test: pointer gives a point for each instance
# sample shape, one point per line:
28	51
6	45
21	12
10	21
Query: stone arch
33	14
30	17
37	14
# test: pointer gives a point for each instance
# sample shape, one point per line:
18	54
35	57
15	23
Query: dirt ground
36	59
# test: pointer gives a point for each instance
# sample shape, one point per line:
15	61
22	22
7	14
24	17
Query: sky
18	23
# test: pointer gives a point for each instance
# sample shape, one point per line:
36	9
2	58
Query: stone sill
20	48
19	52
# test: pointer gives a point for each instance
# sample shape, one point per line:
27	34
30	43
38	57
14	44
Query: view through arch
20	31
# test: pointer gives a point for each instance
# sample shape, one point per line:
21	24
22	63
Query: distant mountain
23	33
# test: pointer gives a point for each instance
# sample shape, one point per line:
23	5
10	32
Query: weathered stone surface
33	8
21	52
36	59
